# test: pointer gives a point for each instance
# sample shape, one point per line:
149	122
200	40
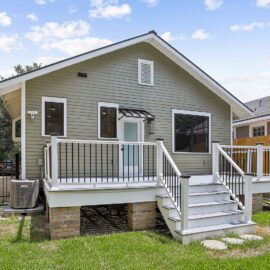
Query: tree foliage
7	147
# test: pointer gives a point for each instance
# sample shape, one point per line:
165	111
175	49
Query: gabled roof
240	109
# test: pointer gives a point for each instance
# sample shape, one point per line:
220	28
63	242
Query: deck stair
211	211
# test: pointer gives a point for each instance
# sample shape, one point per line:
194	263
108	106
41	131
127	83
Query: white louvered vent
146	72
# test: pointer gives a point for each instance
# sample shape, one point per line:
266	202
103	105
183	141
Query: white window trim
258	124
175	111
57	100
143	61
109	105
14	138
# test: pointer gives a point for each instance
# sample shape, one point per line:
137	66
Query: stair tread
163	196
208	215
208	193
205	184
211	203
215	227
168	206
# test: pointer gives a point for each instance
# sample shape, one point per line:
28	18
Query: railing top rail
239	146
170	160
104	142
231	161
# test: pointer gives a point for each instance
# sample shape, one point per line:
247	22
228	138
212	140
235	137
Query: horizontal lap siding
113	78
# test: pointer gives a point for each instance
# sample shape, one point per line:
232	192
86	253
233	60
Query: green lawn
23	245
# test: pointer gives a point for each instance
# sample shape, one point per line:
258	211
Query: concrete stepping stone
233	241
251	237
214	245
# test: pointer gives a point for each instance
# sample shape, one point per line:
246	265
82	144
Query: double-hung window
191	131
54	114
107	120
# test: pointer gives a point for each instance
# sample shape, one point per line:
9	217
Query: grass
23	245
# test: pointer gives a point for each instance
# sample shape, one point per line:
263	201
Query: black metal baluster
128	160
90	161
78	162
60	163
138	162
66	162
107	163
84	161
96	161
133	146
123	162
101	162
148	161
112	162
72	163
153	162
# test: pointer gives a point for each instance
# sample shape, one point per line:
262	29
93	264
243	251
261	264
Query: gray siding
242	132
113	78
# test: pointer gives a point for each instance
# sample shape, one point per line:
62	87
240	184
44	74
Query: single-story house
126	124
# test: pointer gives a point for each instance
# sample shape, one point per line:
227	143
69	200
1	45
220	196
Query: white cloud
213	4
249	27
200	34
72	9
151	3
108	9
77	45
32	17
167	36
6	73
54	30
46	60
263	3
43	2
5	20
10	43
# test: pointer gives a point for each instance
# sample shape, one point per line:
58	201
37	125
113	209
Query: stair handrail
245	178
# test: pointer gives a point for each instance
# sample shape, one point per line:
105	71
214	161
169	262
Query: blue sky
229	39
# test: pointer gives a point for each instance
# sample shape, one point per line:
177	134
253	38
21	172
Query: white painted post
259	161
54	158
249	161
184	201
248	197
215	160
159	160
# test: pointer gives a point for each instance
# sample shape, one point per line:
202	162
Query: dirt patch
8	229
262	230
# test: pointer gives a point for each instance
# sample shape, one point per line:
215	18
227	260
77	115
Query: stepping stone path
220	245
214	245
251	237
233	241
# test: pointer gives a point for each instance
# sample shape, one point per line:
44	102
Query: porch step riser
211	208
203	222
209	198
205	188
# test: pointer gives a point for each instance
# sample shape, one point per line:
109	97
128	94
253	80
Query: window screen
191	133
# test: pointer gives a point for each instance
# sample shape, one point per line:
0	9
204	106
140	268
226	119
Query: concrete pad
214	245
233	241
251	237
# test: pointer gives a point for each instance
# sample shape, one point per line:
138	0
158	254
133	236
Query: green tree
7	147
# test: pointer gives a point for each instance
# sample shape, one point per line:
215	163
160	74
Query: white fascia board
75	60
253	120
238	107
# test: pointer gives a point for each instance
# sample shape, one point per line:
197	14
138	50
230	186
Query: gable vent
145	72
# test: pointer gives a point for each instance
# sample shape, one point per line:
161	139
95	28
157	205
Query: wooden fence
251	141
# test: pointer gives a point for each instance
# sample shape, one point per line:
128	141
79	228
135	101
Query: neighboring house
89	129
256	126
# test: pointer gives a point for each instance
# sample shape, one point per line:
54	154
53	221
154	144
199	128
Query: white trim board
253	120
238	107
56	100
176	111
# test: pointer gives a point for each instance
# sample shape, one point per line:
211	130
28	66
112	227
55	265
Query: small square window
145	72
107	114
258	131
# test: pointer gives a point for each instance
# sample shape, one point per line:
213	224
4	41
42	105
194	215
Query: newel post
215	160
248	197
259	160
159	160
184	201
54	160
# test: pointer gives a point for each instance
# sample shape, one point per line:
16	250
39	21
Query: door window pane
108	127
131	135
54	118
191	133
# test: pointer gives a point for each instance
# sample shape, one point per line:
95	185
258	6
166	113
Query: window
191	131
16	129
258	131
145	72
107	120
54	116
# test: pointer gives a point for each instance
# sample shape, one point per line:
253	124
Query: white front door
131	130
